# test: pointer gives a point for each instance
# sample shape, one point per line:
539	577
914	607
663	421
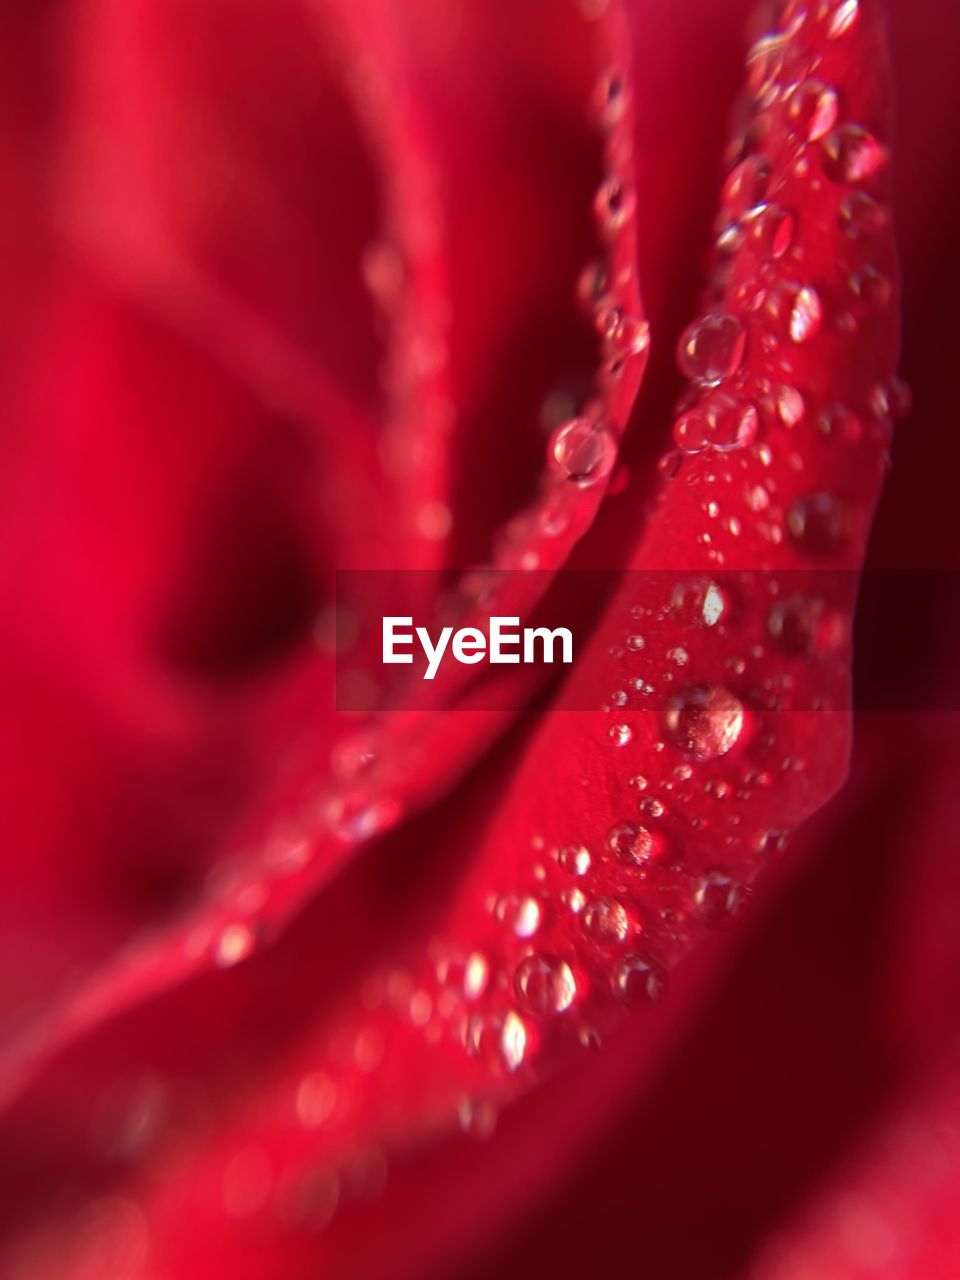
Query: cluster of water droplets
798	158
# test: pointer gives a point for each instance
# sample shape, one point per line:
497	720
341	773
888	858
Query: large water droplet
699	602
633	843
705	721
770	231
812	109
851	154
606	921
719	899
639	980
746	186
730	422
712	347
583	450
521	914
544	984
806	315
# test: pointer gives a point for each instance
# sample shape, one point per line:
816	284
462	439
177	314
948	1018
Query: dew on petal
719	899
635	844
817	523
583	450
731	422
521	914
806	315
812	109
620	734
746	185
851	154
544	984
771	231
575	859
712	348
606	921
639	980
699	602
704	721
842	19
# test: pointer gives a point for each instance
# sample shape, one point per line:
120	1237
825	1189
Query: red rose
292	990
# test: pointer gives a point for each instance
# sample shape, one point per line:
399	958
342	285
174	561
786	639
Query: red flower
292	990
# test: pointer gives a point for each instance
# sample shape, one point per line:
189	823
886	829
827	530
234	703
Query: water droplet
806	315
804	627
817	523
712	348
790	406
520	914
500	1042
575	859
611	97
719	899
843	18
690	432
613	204
544	984
513	1041
606	921
639	980
705	721
746	186
870	287
635	643
860	215
620	734
699	601
770	231
731	423
851	154
634	844
592	284
764	62
234	944
632	335
583	450
812	109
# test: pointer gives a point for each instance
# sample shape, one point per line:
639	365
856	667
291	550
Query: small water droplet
583	450
705	721
635	643
712	348
620	734
544	984
613	204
